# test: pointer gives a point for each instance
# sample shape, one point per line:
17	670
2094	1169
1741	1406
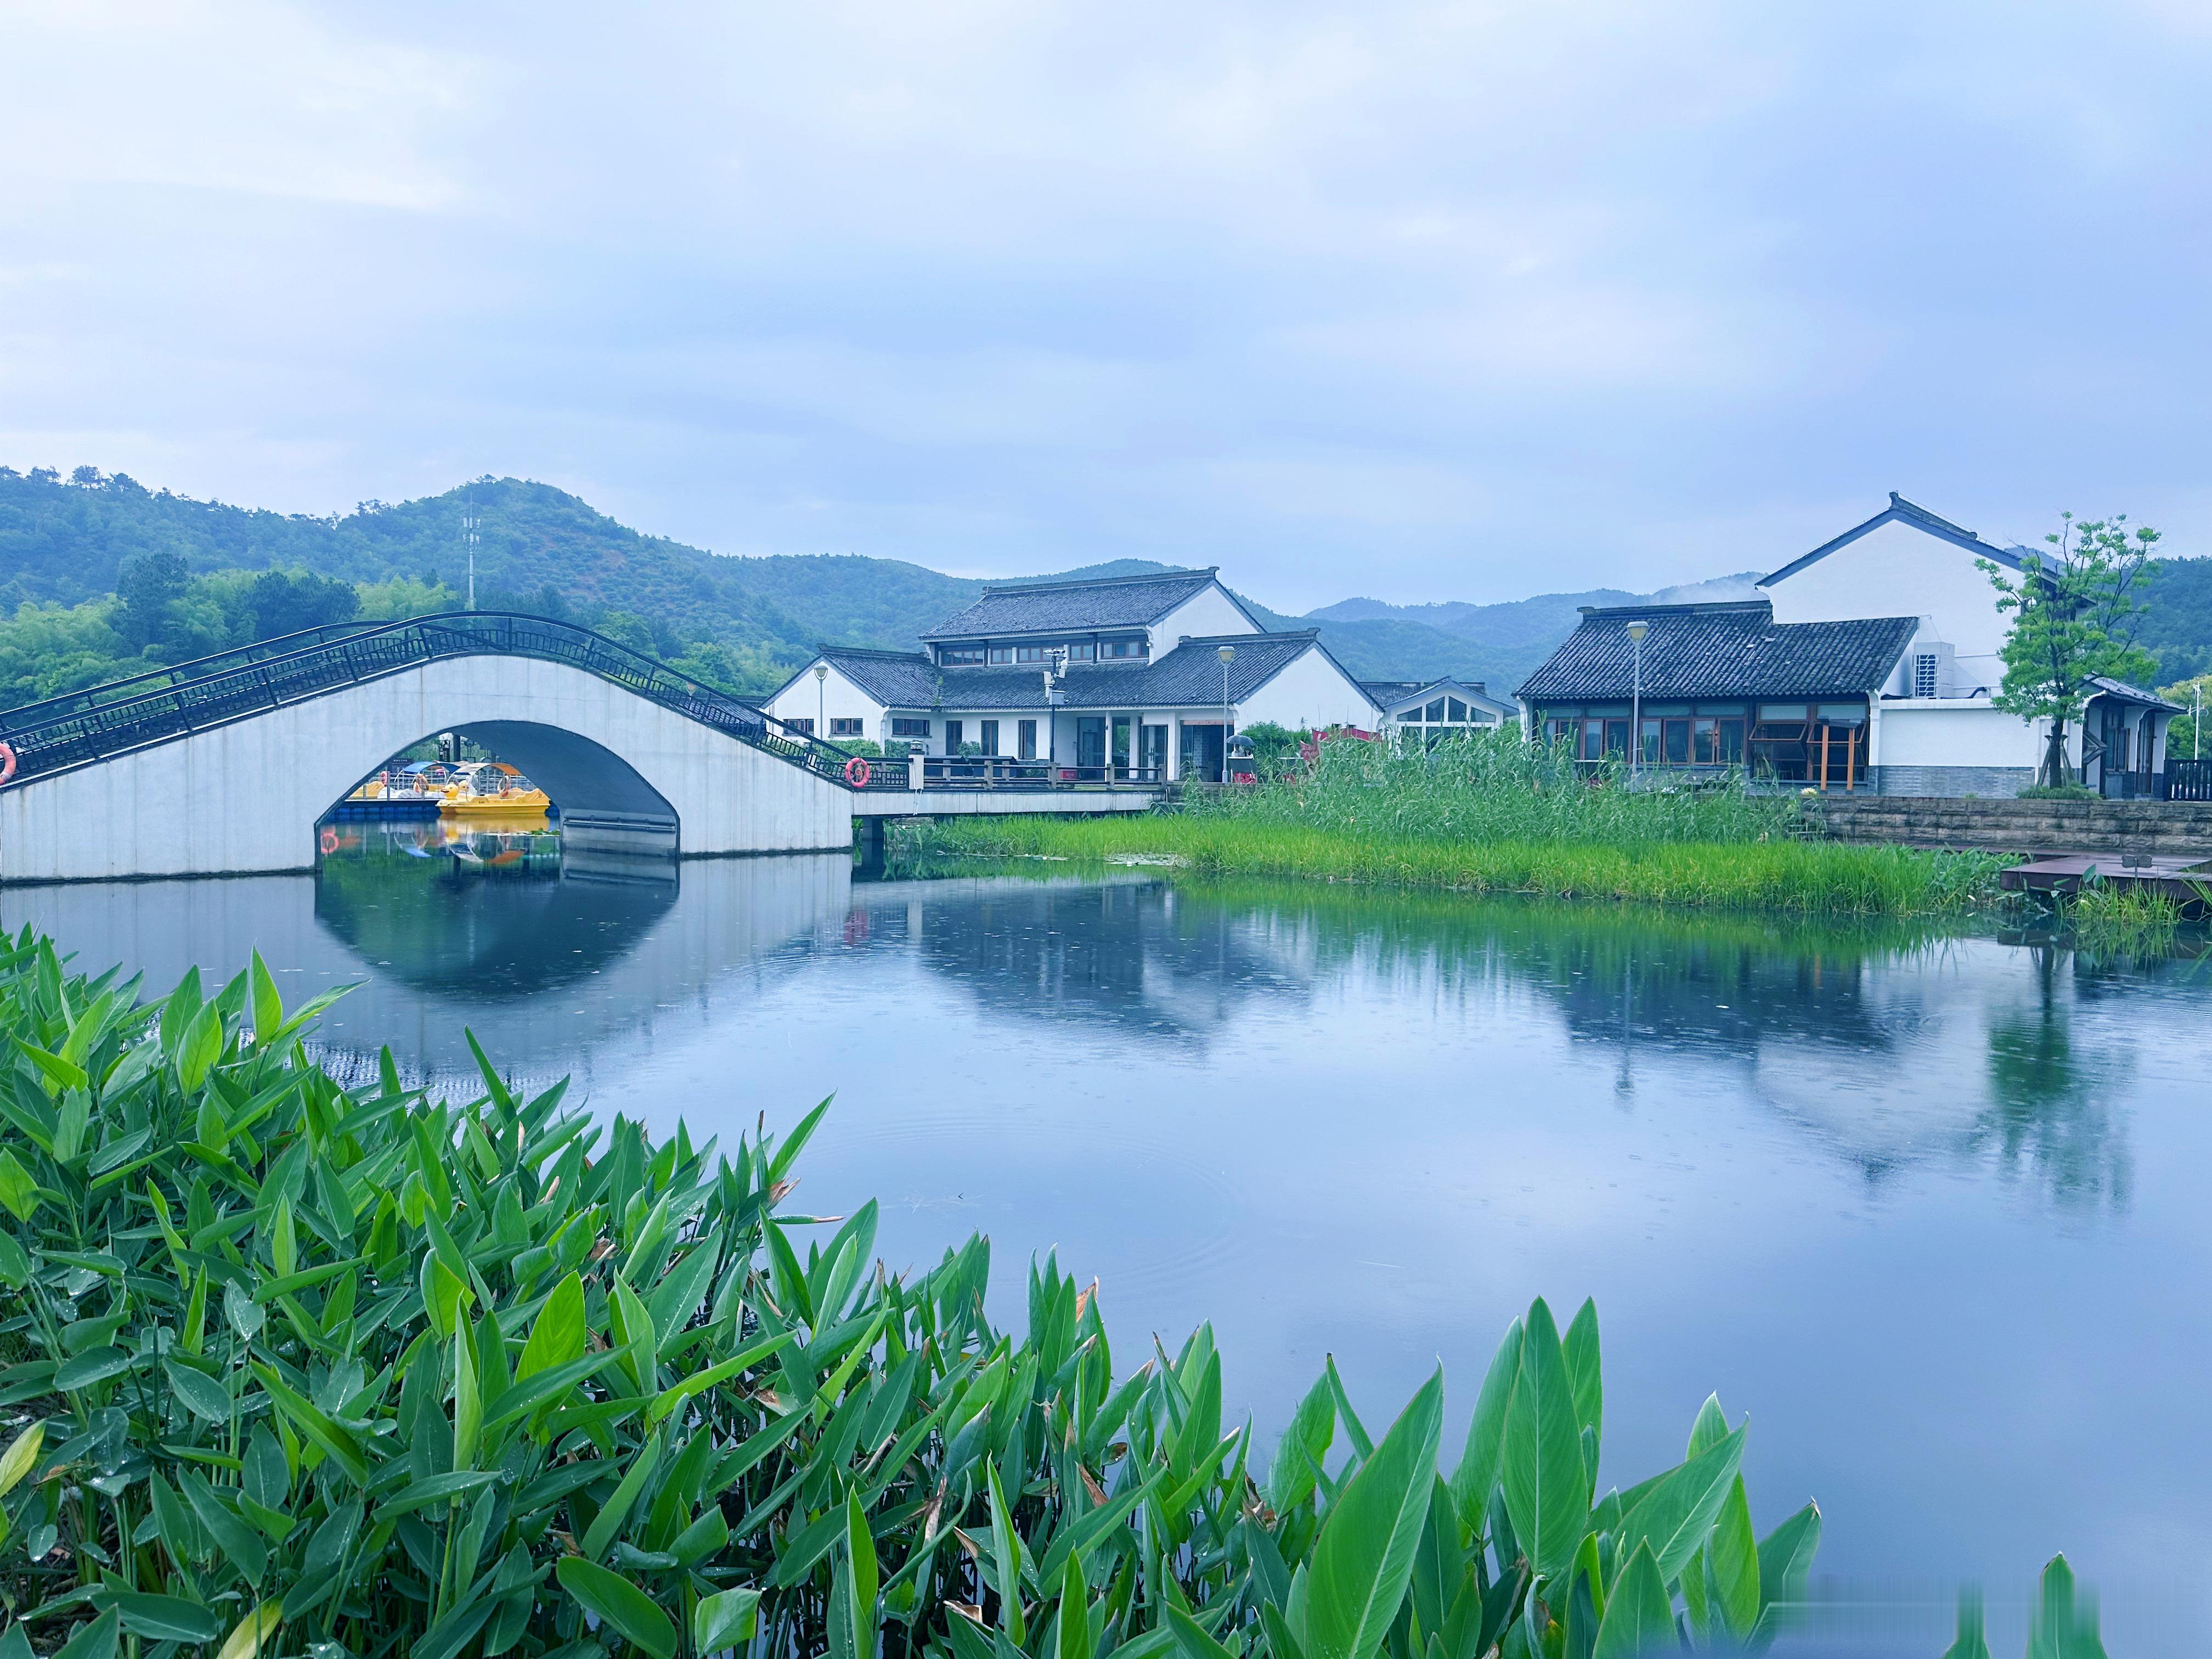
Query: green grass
1491	813
1800	877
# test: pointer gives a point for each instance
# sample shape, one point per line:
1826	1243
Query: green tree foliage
2183	740
2075	615
288	602
323	1369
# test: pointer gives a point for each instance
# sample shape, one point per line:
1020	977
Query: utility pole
468	522
1637	631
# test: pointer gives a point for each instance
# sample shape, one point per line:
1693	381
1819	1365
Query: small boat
494	790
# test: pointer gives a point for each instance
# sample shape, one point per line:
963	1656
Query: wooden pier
2187	881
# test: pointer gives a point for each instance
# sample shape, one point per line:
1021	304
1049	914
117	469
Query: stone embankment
2175	828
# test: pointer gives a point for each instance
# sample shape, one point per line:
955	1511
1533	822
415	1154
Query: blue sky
1415	302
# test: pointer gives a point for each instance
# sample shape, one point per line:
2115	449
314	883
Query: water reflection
1846	1173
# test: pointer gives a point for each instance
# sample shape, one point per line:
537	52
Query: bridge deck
968	803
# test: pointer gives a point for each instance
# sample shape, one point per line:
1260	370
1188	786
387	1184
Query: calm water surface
1934	1213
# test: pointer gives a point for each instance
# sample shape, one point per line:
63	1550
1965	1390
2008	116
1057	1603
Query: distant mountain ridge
748	621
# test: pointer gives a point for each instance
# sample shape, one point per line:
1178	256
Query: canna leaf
1475	1478
253	1631
166	1617
95	1641
1732	1555
1363	1557
557	1335
1676	1514
608	1595
22	1454
1547	1482
723	1620
1639	1615
1971	1642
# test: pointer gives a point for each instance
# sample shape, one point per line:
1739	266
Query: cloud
1298	288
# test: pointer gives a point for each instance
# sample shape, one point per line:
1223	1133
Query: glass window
1731	742
1677	741
844	728
956	655
1025	740
1033	653
1593	735
1122	648
952	738
909	728
1081	651
1616	739
1001	654
1434	713
1648	741
1457	711
1705	741
990	737
805	728
1562	731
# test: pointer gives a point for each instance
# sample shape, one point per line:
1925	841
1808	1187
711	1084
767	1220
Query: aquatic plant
1794	877
338	1372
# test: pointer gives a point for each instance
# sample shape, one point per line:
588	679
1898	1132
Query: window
1434	713
990	737
1677	741
1037	653
844	728
952	737
1122	648
1924	675
1002	653
1593	734
1025	740
909	728
1081	651
953	656
1616	740
805	728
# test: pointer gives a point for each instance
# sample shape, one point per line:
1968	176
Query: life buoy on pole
856	771
330	841
7	762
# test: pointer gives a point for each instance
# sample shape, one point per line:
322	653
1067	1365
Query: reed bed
1792	877
1490	813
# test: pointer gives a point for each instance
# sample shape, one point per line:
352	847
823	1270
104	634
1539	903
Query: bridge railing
169	703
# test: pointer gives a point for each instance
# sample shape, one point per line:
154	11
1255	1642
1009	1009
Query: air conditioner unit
1932	669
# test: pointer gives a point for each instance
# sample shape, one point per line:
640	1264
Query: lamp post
821	694
1228	654
1637	631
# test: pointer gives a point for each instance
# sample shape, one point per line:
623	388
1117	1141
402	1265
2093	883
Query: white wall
1956	734
1311	691
1901	570
244	797
1209	610
839	698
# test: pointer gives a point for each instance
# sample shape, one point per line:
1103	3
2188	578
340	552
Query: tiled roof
897	679
1736	650
1187	677
1391	693
2126	693
1043	607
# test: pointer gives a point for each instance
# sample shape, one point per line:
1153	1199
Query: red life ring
856	772
330	839
7	762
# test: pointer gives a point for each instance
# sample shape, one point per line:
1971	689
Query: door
1123	737
1090	747
1152	753
1201	754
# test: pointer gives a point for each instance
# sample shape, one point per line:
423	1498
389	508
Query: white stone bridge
225	766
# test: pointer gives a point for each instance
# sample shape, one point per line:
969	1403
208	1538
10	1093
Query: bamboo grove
295	1368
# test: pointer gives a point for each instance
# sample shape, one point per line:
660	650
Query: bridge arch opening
602	799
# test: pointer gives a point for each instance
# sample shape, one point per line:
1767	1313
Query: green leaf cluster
348	1371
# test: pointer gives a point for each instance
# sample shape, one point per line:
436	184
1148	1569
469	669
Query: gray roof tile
1041	607
1736	650
1186	677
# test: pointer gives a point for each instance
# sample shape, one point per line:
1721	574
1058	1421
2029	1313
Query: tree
150	588
286	602
2075	615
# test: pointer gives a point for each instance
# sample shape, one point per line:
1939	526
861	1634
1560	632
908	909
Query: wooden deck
2187	881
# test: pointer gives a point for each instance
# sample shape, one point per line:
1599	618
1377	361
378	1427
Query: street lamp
1228	654
821	680
1637	631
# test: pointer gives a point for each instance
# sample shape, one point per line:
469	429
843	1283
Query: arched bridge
225	765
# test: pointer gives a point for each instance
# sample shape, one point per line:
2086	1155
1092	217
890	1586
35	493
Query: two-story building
1869	663
1128	678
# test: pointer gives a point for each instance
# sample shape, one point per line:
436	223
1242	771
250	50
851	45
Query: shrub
357	1372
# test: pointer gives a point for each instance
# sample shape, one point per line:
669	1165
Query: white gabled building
1148	677
1425	710
1870	663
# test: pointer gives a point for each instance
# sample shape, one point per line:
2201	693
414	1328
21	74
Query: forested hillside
100	577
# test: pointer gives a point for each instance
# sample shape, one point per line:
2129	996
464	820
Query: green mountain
100	577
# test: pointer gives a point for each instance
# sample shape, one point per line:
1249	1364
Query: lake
1930	1209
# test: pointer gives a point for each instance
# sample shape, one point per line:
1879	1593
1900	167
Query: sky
1410	302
